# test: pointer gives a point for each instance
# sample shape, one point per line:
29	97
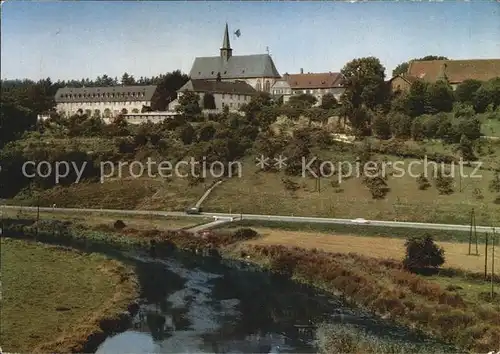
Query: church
257	70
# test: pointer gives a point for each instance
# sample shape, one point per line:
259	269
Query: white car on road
360	221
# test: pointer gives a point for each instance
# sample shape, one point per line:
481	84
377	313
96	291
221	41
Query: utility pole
486	258
37	215
493	262
475	235
470	233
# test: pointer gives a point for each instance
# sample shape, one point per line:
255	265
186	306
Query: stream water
192	304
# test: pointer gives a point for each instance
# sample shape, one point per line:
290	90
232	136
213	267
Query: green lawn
50	293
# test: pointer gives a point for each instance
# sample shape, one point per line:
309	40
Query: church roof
105	94
236	67
235	87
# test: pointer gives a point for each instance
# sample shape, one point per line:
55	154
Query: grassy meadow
54	298
139	222
264	193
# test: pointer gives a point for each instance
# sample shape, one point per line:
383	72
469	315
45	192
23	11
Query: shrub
494	185
245	233
422	252
444	184
423	182
283	264
119	225
377	186
497	200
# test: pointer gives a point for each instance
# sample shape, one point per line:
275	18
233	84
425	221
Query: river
193	304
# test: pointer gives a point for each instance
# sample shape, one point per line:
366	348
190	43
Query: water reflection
191	304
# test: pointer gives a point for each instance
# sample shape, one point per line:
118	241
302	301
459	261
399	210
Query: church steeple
226	51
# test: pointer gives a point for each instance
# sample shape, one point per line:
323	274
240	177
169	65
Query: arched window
258	87
267	86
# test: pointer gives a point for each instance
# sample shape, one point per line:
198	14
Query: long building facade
105	102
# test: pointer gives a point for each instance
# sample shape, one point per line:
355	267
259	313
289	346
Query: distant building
231	94
454	71
107	102
258	70
401	83
316	84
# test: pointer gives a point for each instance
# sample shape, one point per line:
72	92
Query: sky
80	39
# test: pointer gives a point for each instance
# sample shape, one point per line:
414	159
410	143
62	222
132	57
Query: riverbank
60	300
381	286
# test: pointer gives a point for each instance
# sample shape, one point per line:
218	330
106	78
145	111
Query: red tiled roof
456	71
313	80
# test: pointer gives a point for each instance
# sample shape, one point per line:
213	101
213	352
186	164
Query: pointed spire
226	51
225	42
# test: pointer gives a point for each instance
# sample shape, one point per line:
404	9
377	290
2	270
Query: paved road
301	219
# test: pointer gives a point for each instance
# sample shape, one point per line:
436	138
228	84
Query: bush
423	182
422	252
119	225
444	184
494	185
497	200
245	233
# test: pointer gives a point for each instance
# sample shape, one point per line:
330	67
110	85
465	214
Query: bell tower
226	51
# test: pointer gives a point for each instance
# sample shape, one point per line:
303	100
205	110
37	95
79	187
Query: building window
223	96
223	104
231	104
267	86
231	96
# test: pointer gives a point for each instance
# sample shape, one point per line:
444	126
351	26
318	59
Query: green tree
382	127
166	91
302	101
206	132
422	252
400	69
364	83
440	97
186	133
466	149
14	121
466	90
127	80
189	104
418	99
400	124
209	101
328	101
494	185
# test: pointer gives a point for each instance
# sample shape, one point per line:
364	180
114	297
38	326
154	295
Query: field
53	298
127	193
358	230
264	193
139	222
383	248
